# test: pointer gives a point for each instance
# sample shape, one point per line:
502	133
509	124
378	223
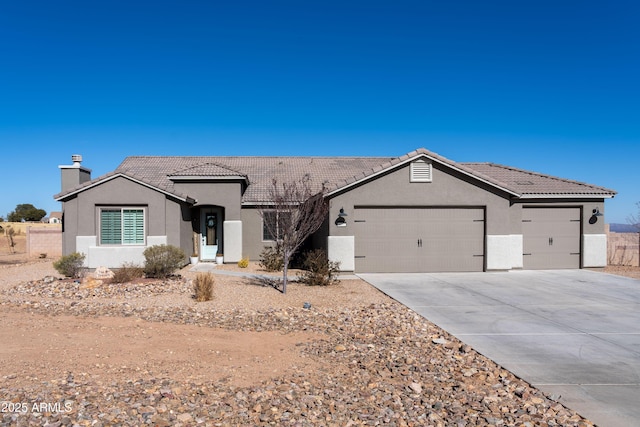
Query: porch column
232	241
342	249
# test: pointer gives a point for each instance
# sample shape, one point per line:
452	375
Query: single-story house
54	218
419	212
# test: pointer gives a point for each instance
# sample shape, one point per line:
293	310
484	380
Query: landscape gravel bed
375	363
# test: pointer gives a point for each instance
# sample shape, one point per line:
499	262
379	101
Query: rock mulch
53	287
381	364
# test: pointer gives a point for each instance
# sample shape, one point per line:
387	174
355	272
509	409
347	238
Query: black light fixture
340	221
595	214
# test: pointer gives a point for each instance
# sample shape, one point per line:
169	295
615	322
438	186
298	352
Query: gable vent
421	171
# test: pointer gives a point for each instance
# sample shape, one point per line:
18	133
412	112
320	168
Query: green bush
162	261
127	272
203	287
271	258
70	265
319	271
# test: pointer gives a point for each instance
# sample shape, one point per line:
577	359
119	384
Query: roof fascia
409	160
122	175
565	196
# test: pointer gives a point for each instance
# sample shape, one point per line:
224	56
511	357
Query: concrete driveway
570	333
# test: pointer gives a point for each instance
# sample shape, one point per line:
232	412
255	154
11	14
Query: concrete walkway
574	334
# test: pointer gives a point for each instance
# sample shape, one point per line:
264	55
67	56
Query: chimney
75	174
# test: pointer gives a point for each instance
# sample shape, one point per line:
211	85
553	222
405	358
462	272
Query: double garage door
390	240
430	239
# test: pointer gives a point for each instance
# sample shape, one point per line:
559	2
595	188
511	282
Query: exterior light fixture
340	221
595	214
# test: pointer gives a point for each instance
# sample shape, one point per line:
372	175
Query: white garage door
423	239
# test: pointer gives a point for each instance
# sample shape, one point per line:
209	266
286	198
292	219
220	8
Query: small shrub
243	263
162	261
127	272
271	258
203	287
319	271
70	265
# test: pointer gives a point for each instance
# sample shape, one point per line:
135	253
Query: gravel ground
146	353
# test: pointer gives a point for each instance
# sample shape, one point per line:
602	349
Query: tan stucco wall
623	248
44	241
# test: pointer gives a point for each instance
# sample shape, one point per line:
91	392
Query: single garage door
402	239
551	238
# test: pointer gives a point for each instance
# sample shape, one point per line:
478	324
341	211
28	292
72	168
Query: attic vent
421	171
524	183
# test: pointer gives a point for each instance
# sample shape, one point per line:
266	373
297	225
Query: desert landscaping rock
354	358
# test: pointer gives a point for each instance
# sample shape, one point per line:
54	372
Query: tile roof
334	173
259	171
529	184
205	169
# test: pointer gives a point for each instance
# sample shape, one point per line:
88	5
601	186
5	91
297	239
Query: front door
209	235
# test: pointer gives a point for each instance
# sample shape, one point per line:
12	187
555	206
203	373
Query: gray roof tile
332	172
532	183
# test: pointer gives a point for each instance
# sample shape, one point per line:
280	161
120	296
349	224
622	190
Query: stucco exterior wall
252	243
448	188
225	194
167	221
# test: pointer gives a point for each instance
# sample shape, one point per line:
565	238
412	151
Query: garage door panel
419	239
551	238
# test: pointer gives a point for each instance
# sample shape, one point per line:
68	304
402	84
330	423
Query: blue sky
549	86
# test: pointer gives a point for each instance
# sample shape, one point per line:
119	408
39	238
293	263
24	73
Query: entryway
210	233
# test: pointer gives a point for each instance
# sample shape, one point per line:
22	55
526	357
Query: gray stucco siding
69	225
164	215
178	227
448	188
252	243
122	192
225	194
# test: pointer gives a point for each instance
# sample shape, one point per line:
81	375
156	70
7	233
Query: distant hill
623	228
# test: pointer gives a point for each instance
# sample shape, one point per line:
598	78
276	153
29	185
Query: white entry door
209	235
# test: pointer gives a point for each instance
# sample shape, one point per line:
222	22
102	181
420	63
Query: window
273	223
421	171
122	226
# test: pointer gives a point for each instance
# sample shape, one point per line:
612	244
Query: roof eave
60	197
410	159
566	196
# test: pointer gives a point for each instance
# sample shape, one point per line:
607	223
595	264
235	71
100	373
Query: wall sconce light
595	214
340	221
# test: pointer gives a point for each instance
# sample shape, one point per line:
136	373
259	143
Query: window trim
275	214
122	225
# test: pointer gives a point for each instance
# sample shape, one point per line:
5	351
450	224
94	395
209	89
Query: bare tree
294	212
9	232
634	220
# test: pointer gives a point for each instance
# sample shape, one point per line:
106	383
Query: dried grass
128	272
203	287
